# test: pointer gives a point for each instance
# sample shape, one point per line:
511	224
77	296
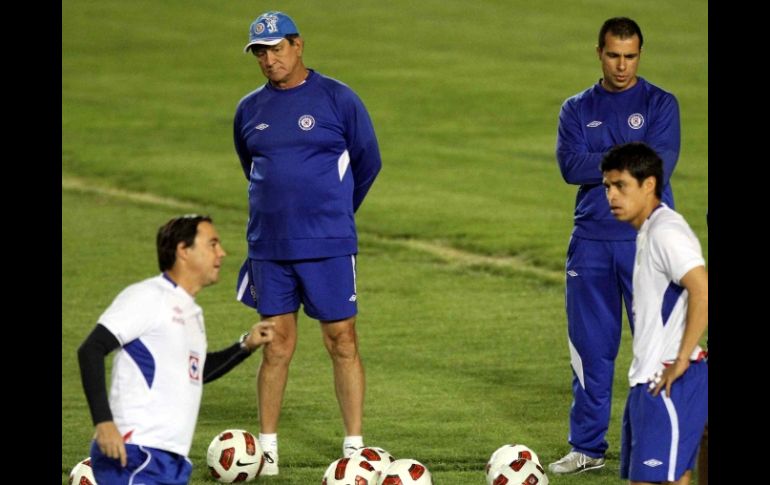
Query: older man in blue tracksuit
309	152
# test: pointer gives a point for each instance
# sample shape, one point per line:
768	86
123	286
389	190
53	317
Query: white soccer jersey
666	249
157	375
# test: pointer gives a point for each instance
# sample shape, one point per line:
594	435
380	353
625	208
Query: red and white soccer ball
353	470
505	455
379	458
520	472
234	455
82	473
406	472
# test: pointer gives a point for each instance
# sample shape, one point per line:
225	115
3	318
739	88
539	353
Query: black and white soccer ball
82	473
353	470
406	471
234	455
507	454
520	472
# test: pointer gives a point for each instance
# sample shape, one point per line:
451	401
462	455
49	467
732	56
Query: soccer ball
234	455
377	457
353	470
520	472
505	455
82	473
406	472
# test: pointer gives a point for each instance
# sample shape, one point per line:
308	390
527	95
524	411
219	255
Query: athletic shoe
575	462
347	451
271	463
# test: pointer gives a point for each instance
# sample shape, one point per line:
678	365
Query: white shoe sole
269	469
593	467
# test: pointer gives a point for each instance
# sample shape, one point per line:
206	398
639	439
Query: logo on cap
259	28
272	23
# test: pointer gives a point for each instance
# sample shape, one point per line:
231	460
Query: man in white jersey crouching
145	430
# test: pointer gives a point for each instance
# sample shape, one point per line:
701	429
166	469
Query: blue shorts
146	466
661	435
325	287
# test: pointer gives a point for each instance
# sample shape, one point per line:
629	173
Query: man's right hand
260	333
110	441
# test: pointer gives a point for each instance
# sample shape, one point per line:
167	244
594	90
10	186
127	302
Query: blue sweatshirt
592	122
310	155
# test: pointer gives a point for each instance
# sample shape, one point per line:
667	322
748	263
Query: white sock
269	442
353	442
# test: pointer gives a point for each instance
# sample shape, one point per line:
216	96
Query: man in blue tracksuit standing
308	149
620	108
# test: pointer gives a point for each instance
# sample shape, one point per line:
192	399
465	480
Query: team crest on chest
194	367
306	122
636	121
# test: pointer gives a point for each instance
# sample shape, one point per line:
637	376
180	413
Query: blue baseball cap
269	29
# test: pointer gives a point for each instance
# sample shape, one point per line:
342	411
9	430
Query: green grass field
462	237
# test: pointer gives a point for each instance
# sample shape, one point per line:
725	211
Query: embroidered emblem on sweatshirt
636	121
306	122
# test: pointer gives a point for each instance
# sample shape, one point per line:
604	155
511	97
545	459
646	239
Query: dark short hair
289	37
622	27
639	160
179	229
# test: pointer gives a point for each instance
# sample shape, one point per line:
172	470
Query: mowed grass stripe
446	253
471	260
82	185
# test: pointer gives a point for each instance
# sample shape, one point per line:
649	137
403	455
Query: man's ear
181	251
649	184
300	43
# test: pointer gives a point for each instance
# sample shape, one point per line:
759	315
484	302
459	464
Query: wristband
242	342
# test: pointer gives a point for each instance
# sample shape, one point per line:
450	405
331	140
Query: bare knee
341	339
278	353
281	349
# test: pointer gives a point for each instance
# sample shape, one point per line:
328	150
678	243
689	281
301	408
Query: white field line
446	253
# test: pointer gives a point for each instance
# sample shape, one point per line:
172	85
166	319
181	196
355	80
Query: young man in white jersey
667	405
145	430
